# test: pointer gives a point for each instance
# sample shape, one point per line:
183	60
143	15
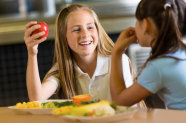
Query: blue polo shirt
167	77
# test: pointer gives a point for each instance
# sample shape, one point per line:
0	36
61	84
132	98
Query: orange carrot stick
79	98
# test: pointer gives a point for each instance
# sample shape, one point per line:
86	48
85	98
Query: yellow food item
62	111
101	108
28	105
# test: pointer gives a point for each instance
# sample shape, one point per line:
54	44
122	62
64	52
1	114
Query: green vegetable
89	102
56	104
86	114
66	103
114	106
48	105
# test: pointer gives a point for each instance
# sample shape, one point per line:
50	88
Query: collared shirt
99	85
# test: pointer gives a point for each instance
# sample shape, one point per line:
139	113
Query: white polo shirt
99	85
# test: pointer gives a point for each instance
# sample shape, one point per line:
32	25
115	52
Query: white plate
127	114
32	111
37	111
48	111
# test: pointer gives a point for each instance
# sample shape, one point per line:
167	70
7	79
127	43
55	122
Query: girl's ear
146	26
149	27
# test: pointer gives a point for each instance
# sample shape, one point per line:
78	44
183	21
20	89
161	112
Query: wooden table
140	116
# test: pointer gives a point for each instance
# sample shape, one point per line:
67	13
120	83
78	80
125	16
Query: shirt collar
102	67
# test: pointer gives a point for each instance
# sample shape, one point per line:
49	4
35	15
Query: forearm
33	79
117	83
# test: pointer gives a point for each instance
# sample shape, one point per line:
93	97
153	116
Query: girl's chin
143	44
84	54
87	54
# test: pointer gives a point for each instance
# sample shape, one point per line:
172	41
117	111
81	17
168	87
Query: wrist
118	51
120	48
31	55
116	54
32	52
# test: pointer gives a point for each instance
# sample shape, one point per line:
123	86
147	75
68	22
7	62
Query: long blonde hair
63	57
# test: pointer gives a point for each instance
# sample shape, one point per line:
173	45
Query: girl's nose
84	33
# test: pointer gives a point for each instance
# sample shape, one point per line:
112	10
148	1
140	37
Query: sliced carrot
91	114
79	98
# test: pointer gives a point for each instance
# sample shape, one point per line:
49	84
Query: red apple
44	28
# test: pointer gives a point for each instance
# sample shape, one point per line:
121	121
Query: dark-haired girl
160	25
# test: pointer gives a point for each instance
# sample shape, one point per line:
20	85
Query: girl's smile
85	43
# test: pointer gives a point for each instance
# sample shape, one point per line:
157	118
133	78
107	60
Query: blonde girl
82	57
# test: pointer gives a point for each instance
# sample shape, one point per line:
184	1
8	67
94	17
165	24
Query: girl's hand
32	41
124	40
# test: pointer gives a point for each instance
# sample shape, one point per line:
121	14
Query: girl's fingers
126	37
36	42
130	31
35	39
30	30
38	35
31	44
132	38
28	25
124	40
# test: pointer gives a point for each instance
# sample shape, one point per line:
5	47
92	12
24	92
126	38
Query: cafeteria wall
13	63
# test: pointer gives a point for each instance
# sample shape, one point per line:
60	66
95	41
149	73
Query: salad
80	106
87	109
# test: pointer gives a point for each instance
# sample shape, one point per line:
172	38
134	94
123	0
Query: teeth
86	43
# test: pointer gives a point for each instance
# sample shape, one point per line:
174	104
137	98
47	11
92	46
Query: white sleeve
126	71
54	79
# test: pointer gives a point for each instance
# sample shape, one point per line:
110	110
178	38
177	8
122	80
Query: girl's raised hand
125	39
32	41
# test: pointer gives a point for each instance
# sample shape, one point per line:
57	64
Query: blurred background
114	15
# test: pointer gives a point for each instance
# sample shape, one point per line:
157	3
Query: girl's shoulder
54	67
168	59
179	54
